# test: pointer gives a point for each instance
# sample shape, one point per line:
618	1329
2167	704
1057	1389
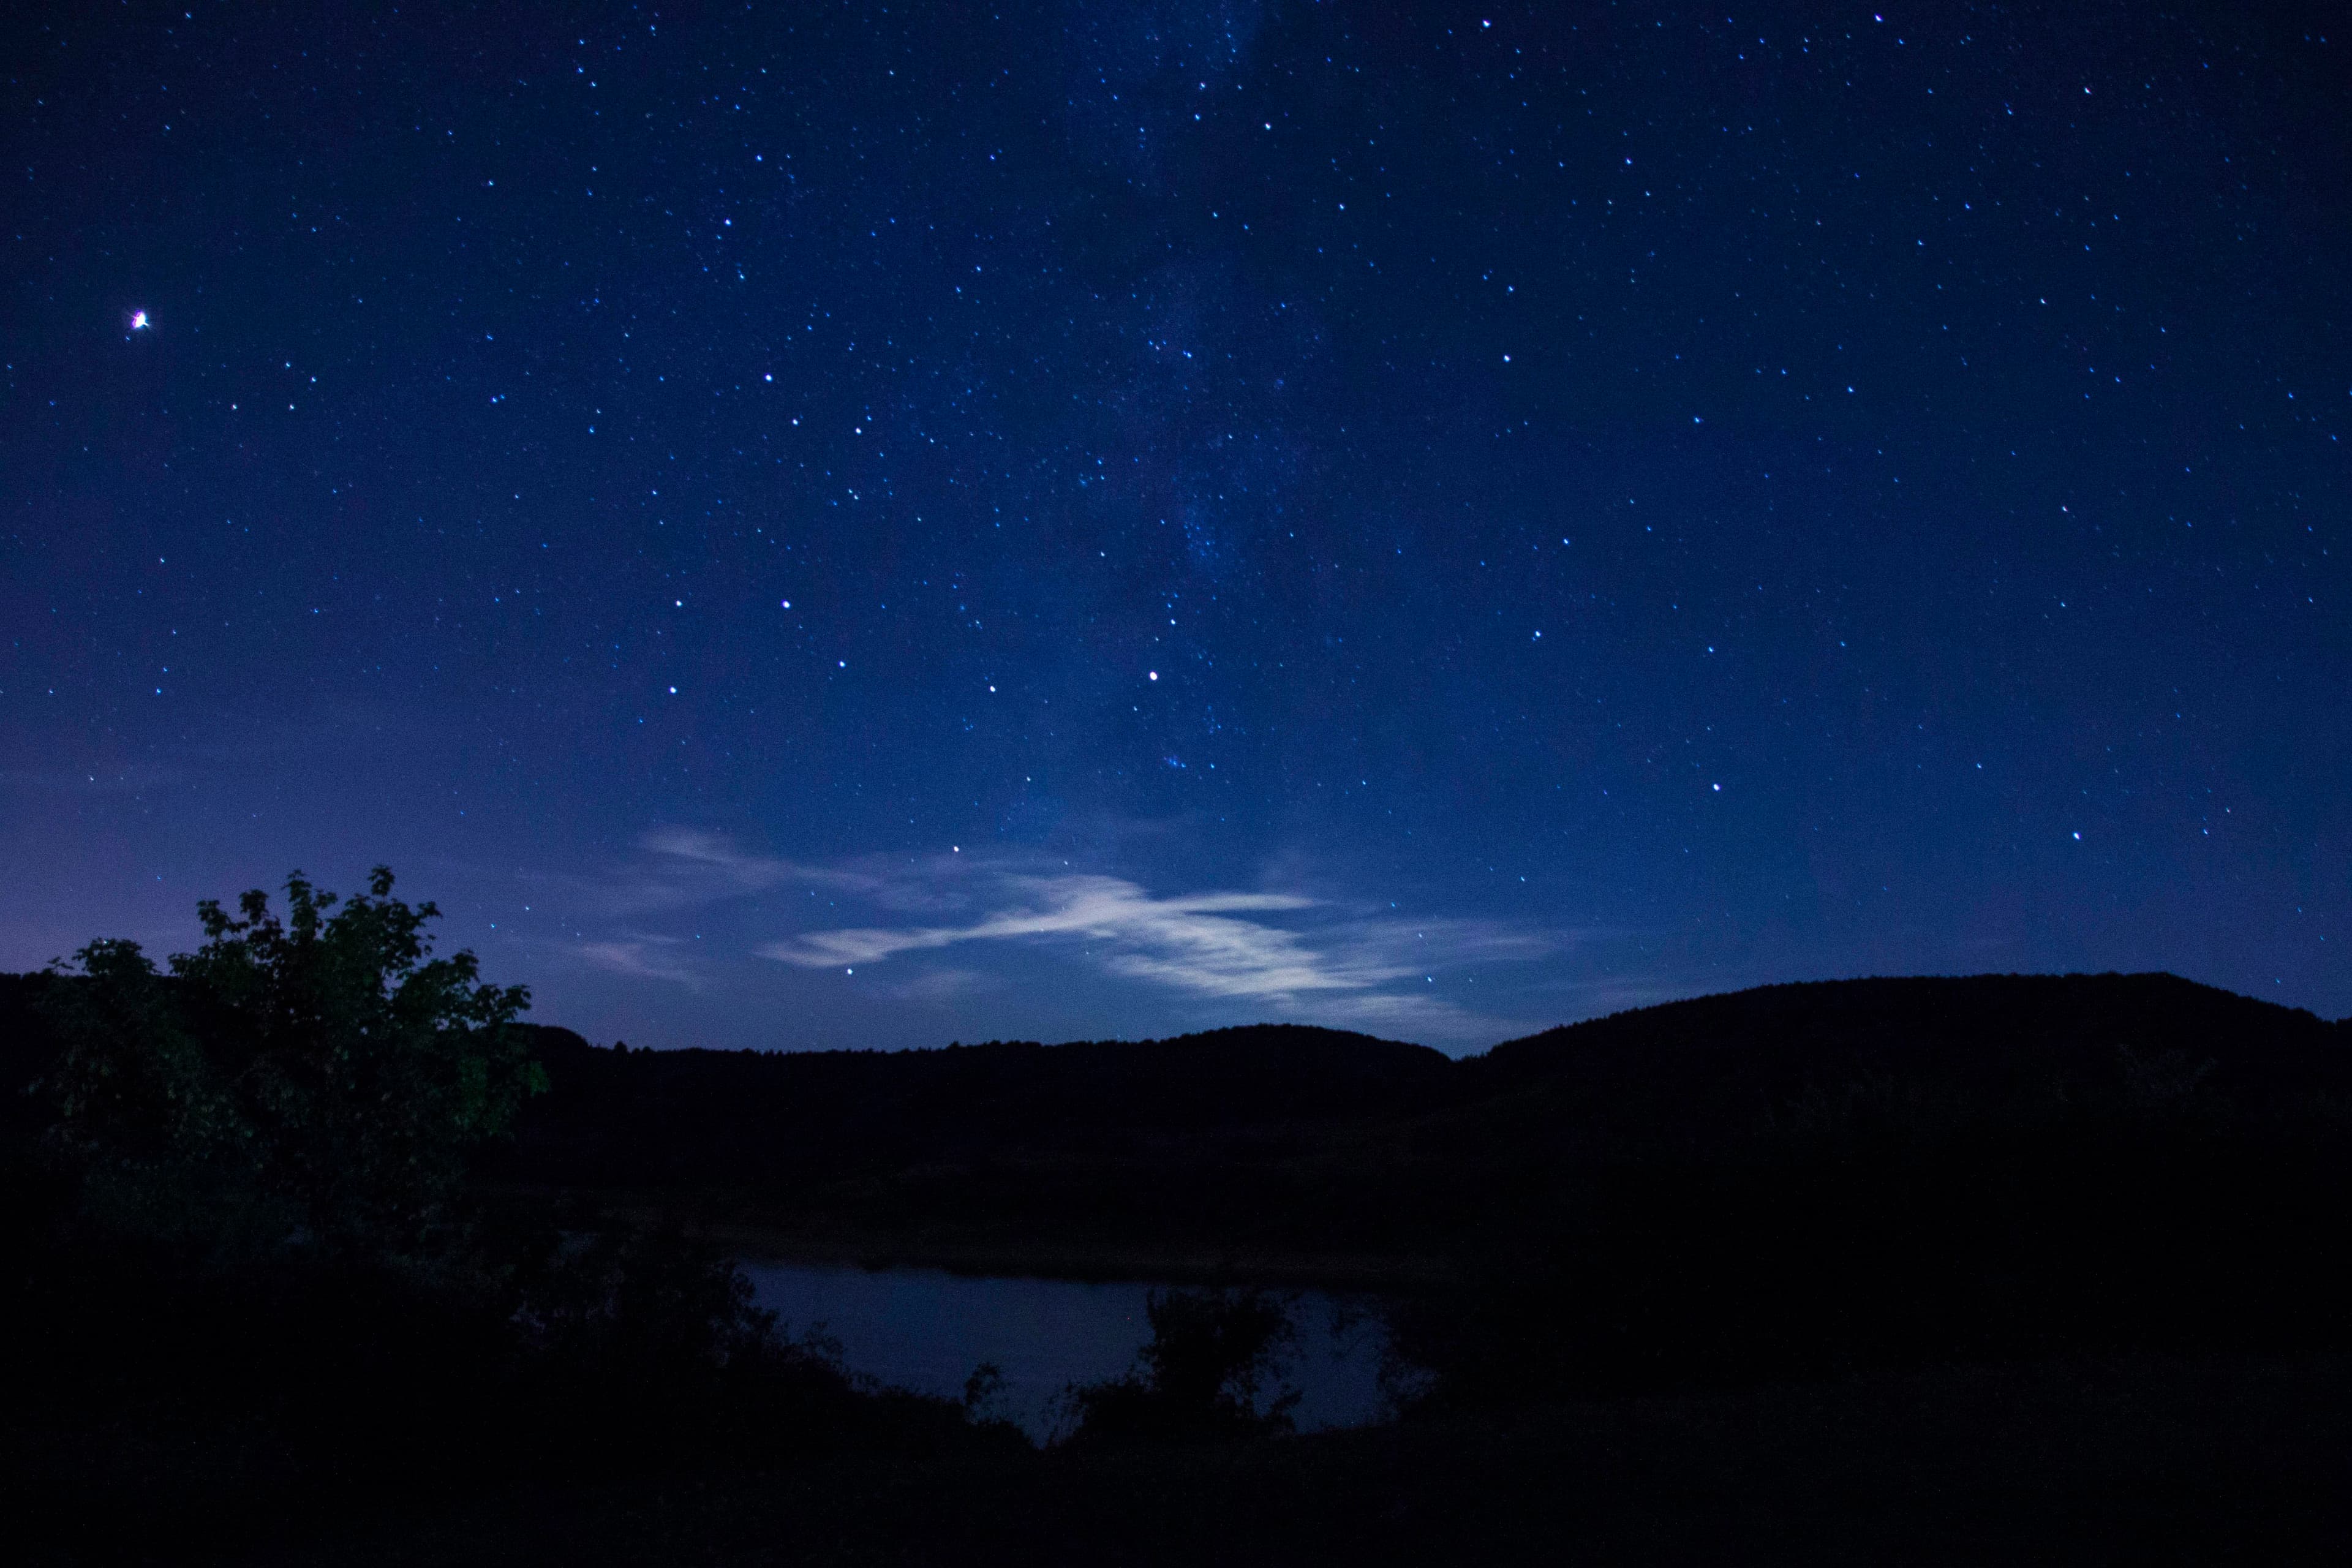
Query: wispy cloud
716	857
1288	947
686	868
938	985
1417	1015
1282	950
644	958
1194	942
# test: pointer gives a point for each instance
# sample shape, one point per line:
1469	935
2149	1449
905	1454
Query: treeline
256	1291
1263	1144
1793	1181
308	1220
1714	1069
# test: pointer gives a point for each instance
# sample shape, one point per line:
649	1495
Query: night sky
847	525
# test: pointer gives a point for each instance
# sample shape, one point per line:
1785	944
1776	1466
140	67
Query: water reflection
925	1330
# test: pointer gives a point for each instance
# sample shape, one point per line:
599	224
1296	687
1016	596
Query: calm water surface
925	1330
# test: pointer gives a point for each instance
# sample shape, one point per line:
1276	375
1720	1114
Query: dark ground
2137	1461
2010	1268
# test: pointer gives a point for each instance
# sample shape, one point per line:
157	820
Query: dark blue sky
845	525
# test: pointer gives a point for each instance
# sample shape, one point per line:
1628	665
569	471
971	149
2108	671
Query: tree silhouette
321	1075
1211	1354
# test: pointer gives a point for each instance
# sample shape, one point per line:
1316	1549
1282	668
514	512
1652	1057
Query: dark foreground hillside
2044	1269
2131	1462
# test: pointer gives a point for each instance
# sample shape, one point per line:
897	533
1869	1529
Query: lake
925	1330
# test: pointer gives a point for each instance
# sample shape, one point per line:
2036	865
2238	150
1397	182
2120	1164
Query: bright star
138	321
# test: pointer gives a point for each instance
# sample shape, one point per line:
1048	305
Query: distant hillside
1985	1028
644	1118
1286	1141
1980	1044
1988	1040
1796	1180
1277	1141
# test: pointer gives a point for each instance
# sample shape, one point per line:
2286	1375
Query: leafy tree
1211	1354
323	1068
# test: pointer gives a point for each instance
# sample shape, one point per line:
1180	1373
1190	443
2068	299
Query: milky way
1111	519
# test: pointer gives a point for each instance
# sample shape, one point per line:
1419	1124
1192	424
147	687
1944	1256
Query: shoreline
1389	1276
754	1240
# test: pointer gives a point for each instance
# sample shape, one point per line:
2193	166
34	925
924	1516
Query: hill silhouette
1916	1138
1679	1069
1246	1147
1795	1209
1242	1148
1714	1068
661	1116
1996	1032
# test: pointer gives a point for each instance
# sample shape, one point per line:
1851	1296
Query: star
138	321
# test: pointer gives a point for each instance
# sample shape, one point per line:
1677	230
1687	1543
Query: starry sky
809	525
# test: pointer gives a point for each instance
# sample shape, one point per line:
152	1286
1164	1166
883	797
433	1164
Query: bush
1211	1356
322	1078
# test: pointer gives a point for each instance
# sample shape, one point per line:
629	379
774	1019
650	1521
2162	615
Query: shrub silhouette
1211	1355
246	1223
323	1073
